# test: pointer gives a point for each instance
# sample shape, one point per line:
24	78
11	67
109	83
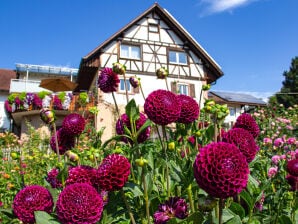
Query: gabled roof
5	76
208	61
239	98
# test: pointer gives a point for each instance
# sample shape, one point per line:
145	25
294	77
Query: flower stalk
132	219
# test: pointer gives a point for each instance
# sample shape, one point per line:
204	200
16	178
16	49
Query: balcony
75	105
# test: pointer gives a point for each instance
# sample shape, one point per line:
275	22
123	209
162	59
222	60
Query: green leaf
134	188
227	215
237	209
283	219
253	185
194	218
235	220
8	212
42	217
132	110
247	198
144	126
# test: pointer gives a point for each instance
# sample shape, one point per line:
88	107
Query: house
237	103
26	78
153	40
6	75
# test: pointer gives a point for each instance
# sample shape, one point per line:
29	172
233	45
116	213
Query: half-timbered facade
153	40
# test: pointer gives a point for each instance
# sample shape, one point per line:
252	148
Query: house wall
4	120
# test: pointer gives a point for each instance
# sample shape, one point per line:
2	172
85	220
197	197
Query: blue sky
253	41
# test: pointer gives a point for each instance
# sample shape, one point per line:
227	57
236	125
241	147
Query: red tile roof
5	76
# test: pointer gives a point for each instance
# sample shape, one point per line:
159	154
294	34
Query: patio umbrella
57	84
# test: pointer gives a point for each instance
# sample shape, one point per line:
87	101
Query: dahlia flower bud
162	107
30	199
242	139
73	124
79	203
113	172
72	156
292	167
108	80
175	207
247	122
162	73
47	115
190	109
119	68
134	82
206	87
221	170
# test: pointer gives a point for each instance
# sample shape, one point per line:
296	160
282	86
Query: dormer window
153	28
177	57
130	51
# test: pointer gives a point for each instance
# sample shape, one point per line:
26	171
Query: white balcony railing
22	85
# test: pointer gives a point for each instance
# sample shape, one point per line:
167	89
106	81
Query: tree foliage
288	95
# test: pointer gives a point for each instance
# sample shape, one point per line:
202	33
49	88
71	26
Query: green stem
146	195
166	158
56	141
142	91
167	84
126	92
127	207
220	208
116	106
189	193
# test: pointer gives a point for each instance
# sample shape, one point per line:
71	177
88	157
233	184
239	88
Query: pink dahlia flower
247	122
291	141
275	159
243	140
221	170
292	167
30	199
272	171
162	107
190	109
79	203
65	142
175	207
81	174
267	141
278	142
108	80
52	178
73	124
113	172
124	121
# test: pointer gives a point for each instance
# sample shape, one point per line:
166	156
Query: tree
288	95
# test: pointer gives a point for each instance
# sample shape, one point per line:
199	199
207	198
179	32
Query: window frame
130	47
122	84
177	57
154	26
185	87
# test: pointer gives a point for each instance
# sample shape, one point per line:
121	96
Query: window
183	89
232	111
122	86
130	51
153	28
177	57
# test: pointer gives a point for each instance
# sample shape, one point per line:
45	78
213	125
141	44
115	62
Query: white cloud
216	6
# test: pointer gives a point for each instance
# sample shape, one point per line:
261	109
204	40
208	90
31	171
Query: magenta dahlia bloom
124	121
292	167
108	80
221	170
81	174
247	122
73	124
113	172
190	109
79	203
57	104
65	142
174	207
293	182
243	140
52	178
29	199
162	107
7	106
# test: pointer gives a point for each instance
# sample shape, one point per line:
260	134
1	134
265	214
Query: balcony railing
22	85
